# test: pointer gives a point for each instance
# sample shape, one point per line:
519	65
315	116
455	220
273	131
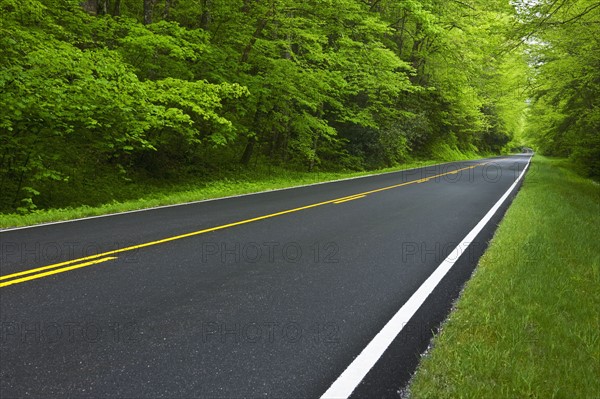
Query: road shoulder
526	324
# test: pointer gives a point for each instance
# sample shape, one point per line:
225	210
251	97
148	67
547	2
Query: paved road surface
267	295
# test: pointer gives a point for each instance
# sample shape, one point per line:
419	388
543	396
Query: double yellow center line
40	271
346	199
44	271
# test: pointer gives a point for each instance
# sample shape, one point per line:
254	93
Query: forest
101	94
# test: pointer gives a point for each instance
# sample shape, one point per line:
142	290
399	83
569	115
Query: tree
564	46
127	90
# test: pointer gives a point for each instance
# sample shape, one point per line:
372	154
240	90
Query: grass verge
528	323
249	182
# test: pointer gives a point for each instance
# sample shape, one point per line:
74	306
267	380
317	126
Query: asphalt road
277	301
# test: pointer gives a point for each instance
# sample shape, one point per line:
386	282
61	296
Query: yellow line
165	240
39	269
345	198
64	269
216	228
350	199
416	181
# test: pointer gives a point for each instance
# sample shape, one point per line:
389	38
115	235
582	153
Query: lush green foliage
563	38
130	90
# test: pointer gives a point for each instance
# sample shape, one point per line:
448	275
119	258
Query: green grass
241	183
527	324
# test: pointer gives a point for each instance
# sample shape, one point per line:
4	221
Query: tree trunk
311	166
415	57
167	9
90	6
262	24
117	8
248	151
148	9
103	7
400	41
205	17
21	178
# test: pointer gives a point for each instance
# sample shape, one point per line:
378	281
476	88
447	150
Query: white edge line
358	369
3	230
